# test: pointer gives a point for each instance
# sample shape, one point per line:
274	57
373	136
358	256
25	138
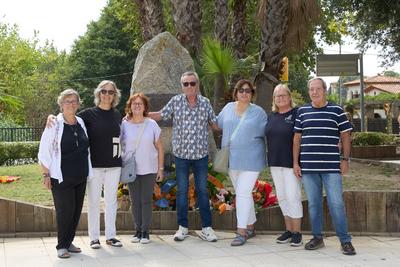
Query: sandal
62	253
250	233
239	240
74	249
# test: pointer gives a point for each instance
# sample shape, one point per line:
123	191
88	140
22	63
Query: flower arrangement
221	198
8	179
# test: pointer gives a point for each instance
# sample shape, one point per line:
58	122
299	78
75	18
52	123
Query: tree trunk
221	21
238	29
187	18
151	18
274	26
219	86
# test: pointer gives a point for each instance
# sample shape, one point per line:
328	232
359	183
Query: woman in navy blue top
280	133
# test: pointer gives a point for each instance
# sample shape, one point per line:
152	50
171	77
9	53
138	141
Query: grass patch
29	188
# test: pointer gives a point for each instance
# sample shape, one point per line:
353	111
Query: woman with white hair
103	127
279	134
65	161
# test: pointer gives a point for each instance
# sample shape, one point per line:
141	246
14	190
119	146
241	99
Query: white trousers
288	191
109	178
243	183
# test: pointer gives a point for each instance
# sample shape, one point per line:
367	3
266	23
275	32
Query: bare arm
160	149
215	127
156	115
346	146
296	154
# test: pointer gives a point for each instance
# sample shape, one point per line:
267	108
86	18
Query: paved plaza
164	251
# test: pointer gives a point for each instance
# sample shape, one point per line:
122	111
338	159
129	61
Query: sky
63	21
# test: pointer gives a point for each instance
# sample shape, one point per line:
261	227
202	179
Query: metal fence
21	134
376	125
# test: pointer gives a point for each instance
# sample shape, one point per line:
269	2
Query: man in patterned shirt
191	114
318	128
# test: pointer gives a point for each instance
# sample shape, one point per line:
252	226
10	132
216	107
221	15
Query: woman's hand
160	175
47	182
51	120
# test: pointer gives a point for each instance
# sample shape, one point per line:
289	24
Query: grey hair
317	79
66	93
190	73
102	84
286	88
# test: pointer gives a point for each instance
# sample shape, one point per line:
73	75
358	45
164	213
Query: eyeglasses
280	96
186	84
245	90
109	92
137	104
70	102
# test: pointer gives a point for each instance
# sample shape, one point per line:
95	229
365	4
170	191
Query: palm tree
285	28
221	21
187	18
151	18
238	28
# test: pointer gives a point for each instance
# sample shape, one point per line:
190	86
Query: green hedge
18	150
374	139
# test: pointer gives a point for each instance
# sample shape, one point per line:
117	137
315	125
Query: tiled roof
393	88
375	80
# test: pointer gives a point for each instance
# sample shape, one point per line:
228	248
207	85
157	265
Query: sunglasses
109	92
245	90
186	84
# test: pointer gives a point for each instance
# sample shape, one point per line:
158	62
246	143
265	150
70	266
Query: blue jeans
200	171
334	191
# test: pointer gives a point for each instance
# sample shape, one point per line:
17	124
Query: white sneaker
181	234
208	234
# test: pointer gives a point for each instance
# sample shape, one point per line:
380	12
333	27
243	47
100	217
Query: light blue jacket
247	149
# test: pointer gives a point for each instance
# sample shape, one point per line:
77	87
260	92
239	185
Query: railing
21	134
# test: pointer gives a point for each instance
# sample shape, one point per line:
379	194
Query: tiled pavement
164	251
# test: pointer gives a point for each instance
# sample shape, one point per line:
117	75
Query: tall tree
285	28
238	29
221	21
151	18
187	16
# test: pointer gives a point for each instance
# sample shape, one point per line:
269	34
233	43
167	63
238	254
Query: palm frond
218	59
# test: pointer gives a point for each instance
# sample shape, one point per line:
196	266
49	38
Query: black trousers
68	200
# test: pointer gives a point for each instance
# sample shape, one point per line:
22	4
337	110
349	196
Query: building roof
375	79
393	88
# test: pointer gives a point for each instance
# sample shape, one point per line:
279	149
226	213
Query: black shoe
296	240
114	242
284	238
136	238
348	249
315	243
95	244
145	238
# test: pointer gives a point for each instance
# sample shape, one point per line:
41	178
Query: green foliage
391	73
297	98
217	59
105	51
374	139
333	98
18	150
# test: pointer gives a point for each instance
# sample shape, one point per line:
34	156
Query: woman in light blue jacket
65	162
243	129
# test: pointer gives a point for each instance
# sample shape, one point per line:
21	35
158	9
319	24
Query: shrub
12	151
374	139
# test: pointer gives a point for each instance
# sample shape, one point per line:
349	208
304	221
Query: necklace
75	131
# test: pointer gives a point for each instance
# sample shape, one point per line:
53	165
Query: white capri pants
109	177
243	183
288	191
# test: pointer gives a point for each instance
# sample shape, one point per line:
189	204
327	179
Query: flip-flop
74	249
63	253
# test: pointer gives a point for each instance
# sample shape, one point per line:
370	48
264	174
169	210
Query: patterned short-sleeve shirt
189	126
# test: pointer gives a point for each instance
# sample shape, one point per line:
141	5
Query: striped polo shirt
320	130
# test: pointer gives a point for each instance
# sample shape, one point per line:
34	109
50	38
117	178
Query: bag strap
238	126
140	135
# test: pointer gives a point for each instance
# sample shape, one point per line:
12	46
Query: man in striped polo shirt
318	129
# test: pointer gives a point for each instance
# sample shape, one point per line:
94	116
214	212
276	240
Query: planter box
367	212
375	152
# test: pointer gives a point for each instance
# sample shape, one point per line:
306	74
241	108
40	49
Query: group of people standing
83	150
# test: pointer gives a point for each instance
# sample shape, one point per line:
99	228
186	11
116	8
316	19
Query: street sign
338	65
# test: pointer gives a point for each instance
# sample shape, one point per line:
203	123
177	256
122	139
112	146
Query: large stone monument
158	69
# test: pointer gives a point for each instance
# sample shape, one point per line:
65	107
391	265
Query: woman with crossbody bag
243	129
141	135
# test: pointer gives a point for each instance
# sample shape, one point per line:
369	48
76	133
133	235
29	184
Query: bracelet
46	175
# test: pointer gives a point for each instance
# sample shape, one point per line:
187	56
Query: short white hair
66	93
